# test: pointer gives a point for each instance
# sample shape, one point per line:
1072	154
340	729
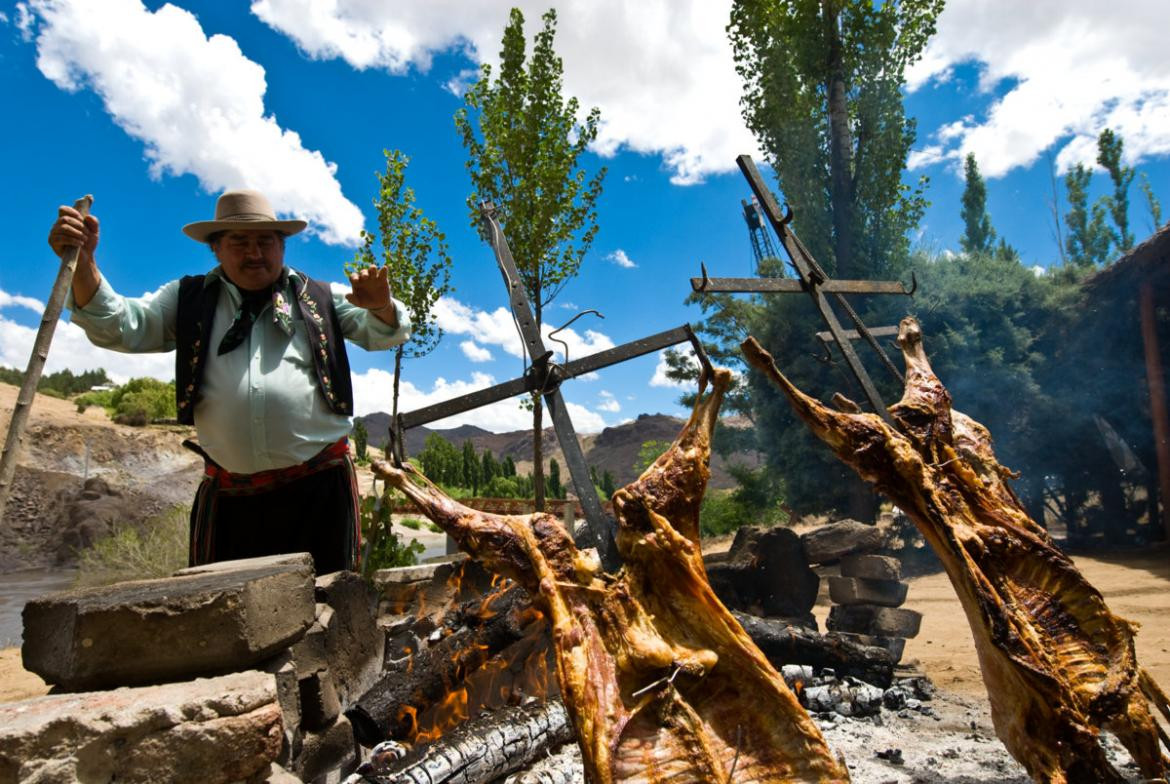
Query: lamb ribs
1059	667
659	679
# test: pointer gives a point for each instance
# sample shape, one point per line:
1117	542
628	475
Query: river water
18	588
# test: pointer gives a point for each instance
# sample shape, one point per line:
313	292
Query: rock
353	644
834	541
225	567
871	567
857	590
873	620
149	631
325	751
288	694
207	731
896	646
766	573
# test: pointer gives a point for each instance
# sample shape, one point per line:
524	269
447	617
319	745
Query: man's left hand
371	290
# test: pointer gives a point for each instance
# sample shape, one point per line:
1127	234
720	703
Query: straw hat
242	209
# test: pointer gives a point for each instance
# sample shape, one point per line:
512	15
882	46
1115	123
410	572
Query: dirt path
1136	586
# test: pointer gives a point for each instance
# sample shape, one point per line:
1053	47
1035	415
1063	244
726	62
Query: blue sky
155	109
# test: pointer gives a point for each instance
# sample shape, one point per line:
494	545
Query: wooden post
1154	377
36	363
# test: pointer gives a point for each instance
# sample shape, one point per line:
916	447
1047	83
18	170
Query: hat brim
201	230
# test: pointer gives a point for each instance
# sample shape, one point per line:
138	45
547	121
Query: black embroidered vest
196	312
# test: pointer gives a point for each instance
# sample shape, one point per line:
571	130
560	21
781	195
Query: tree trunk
840	146
538	452
484	749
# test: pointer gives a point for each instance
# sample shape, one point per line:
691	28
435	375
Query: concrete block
855	590
871	567
873	620
354	645
207	731
834	541
149	631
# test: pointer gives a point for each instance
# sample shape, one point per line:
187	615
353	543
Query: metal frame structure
545	377
814	281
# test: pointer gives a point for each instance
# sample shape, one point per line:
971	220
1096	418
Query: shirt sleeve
129	324
365	329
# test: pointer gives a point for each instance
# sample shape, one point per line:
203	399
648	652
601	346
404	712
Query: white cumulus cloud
372	392
660	379
620	258
195	101
608	402
474	352
1067	69
661	71
496	328
71	349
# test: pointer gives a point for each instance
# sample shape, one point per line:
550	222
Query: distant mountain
614	449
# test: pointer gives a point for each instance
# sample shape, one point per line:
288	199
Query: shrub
143	400
384	550
411	523
154	548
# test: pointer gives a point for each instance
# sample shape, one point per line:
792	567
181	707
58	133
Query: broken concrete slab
329	750
834	541
207	731
856	590
871	567
895	645
220	620
874	620
318	698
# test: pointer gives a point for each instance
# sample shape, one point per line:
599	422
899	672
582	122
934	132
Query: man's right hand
71	230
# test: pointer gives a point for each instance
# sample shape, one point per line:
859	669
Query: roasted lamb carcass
662	683
1058	665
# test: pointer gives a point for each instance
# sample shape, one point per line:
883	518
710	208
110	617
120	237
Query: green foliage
524	145
1153	205
488	467
1109	146
1089	239
412	523
472	469
509	466
555	488
62	384
978	236
361	439
440	461
502	487
143	400
607	484
103	398
384	550
414	253
155	548
822	93
648	453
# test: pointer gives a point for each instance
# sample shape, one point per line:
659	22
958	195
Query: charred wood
482	749
482	629
785	643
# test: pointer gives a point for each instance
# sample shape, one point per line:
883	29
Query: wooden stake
36	363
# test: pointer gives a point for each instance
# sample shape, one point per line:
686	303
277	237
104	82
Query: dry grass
155	549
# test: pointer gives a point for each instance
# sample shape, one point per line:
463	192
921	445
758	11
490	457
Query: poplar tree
1088	240
414	252
978	236
1109	147
524	145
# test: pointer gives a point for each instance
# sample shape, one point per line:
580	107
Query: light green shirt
259	405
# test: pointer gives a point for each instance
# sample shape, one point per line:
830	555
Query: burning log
483	749
483	629
1058	665
660	680
785	643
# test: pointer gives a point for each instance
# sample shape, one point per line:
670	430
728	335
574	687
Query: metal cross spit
817	284
545	377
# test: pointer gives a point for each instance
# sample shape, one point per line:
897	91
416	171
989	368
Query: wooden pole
1158	414
36	363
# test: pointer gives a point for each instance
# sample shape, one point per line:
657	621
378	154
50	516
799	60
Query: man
260	370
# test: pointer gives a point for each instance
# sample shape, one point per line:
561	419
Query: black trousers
316	514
